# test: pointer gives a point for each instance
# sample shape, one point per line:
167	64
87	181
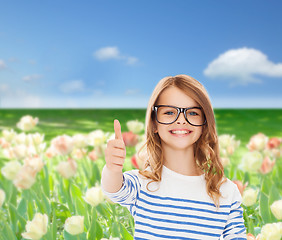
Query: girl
182	192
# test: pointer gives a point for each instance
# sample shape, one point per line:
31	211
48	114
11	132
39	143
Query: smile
180	132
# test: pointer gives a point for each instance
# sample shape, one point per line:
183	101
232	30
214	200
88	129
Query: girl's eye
168	113
193	113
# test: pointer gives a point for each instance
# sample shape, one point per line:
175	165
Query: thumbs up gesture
115	152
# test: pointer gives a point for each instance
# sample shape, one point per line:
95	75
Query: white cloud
2	64
31	77
21	99
72	86
31	101
18	98
107	53
242	65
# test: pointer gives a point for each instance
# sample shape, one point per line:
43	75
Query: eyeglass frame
179	110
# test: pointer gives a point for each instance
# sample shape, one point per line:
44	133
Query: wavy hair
206	149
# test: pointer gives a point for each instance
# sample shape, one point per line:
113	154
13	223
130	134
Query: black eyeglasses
167	114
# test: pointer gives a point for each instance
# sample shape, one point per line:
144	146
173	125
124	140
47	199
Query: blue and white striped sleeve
235	228
128	193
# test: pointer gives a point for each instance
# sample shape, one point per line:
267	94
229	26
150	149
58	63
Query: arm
115	152
111	181
120	187
128	193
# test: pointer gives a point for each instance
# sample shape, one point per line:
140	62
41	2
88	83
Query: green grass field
52	122
56	191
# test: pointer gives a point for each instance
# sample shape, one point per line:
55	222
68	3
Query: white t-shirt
180	208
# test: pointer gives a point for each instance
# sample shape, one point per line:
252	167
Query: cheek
198	133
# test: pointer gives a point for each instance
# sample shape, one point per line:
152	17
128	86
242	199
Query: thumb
117	130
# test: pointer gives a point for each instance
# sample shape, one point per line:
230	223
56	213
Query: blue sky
111	54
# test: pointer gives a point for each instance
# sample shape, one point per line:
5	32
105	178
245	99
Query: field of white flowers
51	190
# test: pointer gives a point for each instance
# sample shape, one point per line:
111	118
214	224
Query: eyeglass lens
169	114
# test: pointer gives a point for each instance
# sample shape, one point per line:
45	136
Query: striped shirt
180	208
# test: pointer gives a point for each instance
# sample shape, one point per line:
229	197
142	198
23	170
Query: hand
115	152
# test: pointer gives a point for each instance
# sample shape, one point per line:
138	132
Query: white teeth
179	132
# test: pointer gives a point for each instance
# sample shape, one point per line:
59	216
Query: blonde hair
206	149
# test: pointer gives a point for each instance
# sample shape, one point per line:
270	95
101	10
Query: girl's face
175	97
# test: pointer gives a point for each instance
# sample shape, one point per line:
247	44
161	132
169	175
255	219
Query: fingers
115	152
116	143
119	153
115	156
117	128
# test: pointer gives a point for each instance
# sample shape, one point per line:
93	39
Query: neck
181	161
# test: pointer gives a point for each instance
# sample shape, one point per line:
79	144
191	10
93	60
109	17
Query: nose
181	118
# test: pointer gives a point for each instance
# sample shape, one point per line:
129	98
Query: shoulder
230	190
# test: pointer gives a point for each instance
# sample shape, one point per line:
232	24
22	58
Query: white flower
9	135
25	178
27	123
74	225
36	228
9	153
257	142
21	139
2	197
20	151
94	196
79	141
36	138
35	162
78	153
51	152
135	126
271	231
100	150
250	197
96	138
11	169
62	144
30	151
251	161
276	209
4	143
224	140
67	169
41	147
